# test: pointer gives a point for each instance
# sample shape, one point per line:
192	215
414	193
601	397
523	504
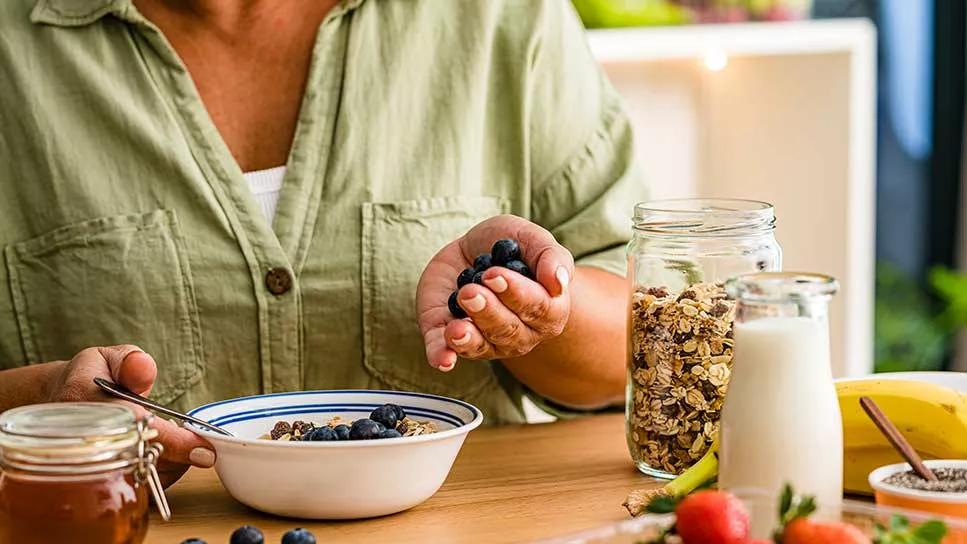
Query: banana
932	417
704	470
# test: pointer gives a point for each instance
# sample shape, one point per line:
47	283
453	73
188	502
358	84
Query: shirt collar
75	12
85	12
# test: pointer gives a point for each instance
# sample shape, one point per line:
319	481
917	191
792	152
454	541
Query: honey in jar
76	472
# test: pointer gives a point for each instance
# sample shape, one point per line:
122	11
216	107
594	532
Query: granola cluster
680	366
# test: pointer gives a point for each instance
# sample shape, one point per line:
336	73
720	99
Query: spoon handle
128	395
899	443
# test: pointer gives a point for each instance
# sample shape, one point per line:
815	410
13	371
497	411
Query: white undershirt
266	186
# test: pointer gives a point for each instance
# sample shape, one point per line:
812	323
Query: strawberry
806	531
712	517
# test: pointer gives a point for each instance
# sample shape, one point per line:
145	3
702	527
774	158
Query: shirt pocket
399	239
113	280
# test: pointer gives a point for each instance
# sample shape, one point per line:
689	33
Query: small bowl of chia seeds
898	485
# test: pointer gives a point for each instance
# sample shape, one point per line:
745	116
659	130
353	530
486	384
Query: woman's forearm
584	367
28	384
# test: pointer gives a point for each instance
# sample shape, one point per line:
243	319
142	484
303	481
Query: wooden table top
509	484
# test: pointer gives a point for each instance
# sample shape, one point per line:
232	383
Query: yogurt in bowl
336	479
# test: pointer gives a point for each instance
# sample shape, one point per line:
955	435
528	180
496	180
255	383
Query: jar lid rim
705	217
704	205
75	431
773	287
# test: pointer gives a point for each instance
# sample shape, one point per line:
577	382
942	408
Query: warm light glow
716	60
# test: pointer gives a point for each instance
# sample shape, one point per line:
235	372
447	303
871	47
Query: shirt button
278	281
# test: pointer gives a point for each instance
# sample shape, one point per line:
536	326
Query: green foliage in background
908	331
914	326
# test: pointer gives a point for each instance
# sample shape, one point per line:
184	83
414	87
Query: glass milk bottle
781	421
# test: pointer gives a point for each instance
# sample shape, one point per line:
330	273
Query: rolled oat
680	364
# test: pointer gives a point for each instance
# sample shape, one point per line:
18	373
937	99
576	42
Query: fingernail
497	284
202	457
462	340
475	304
563	278
451	362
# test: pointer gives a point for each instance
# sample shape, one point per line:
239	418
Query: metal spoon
128	395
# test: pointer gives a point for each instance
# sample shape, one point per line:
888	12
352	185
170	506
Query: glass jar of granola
680	321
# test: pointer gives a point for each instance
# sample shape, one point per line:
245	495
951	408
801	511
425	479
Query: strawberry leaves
899	532
792	506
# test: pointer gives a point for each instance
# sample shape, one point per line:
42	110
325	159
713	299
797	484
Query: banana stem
702	471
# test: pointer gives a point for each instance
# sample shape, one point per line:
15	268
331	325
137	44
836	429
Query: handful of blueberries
505	253
246	534
383	422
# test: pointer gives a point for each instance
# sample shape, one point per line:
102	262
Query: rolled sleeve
585	181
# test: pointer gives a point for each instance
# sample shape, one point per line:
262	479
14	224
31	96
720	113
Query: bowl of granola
336	454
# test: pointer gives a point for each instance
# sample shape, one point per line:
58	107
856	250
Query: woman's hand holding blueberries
510	277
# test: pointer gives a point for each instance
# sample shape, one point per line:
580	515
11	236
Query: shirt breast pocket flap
113	280
399	239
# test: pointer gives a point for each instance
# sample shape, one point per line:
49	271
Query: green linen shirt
125	219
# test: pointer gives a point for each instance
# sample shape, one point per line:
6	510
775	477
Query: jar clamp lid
66	439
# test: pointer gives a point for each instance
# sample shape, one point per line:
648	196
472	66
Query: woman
136	249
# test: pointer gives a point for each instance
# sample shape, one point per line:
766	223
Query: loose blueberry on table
298	536
246	534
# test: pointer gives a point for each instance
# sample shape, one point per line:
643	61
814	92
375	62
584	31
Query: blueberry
520	268
298	536
505	251
386	415
365	429
400	412
483	262
390	433
455	308
465	277
323	434
246	534
193	541
478	277
342	432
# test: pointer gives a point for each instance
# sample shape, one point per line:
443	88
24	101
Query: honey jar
82	473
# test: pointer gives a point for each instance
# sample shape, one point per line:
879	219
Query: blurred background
848	115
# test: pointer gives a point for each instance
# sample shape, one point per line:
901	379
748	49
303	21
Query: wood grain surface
509	484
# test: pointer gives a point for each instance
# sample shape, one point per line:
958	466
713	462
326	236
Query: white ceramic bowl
334	480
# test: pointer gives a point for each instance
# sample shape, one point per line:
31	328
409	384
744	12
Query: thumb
130	367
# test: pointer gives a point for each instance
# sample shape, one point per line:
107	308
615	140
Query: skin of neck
225	17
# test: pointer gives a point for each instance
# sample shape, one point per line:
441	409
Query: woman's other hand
509	314
134	369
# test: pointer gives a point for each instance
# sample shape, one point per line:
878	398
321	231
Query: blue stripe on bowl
473	410
296	411
346	407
